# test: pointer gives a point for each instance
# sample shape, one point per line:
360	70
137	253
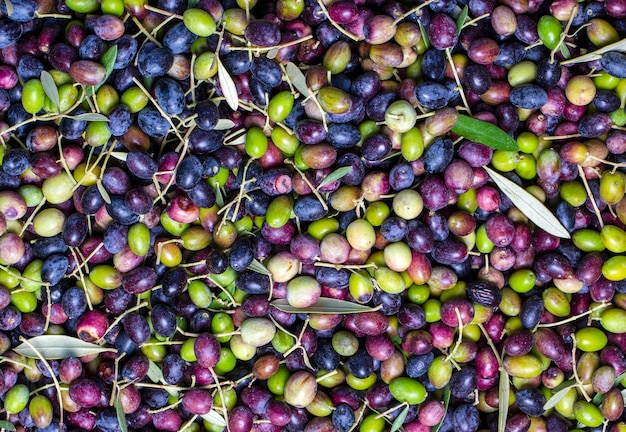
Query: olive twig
596	210
384	414
575	317
309	184
412	11
337	26
458	81
564	33
579	383
74	251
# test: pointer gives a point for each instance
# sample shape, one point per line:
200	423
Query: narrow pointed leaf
504	388
108	61
121	417
103	191
564	384
484	133
257	267
529	205
228	86
9	6
424	34
50	88
462	17
297	79
219	197
90	117
120	155
335	175
7	425
564	51
597	54
557	397
223	124
271	54
446	402
324	306
54	347
399	421
214	418
154	372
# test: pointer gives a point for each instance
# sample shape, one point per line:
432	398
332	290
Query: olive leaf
557	397
108	61
55	347
335	175
121	417
504	390
484	132
214	418
50	88
529	205
219	197
597	54
324	305
424	34
120	155
90	117
564	51
462	17
223	124
103	191
257	267
229	90
9	6
154	372
564	384
271	54
399	421
297	79
446	402
3	423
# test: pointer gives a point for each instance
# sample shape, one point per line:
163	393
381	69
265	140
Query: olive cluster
262	218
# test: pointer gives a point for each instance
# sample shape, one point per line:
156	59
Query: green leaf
54	347
219	197
324	305
335	175
258	267
271	54
108	61
484	133
557	397
564	384
121	417
5	424
446	402
90	117
529	205
462	17
297	79
223	124
564	51
192	3
154	372
399	421
229	90
504	388
120	155
50	88
214	418
424	34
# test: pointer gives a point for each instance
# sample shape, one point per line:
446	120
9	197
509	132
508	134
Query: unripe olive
300	389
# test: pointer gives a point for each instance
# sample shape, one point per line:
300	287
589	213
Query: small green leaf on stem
399	421
424	34
557	397
214	418
446	402
324	306
335	175
257	267
90	117
3	423
484	132
503	403
154	372
297	79
121	417
529	205
50	88
229	90
462	18
223	124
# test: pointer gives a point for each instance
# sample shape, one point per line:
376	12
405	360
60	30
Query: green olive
280	106
256	143
590	339
139	239
407	390
33	96
199	22
614	269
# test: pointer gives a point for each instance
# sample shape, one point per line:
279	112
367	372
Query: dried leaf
228	86
55	347
120	155
214	418
503	403
223	124
103	191
484	133
90	117
121	417
297	79
462	17
557	397
3	423
399	421
324	306
335	175
50	88
597	54
9	6
154	372
257	267
446	402
529	205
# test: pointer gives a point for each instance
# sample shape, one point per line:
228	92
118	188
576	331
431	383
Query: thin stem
596	210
